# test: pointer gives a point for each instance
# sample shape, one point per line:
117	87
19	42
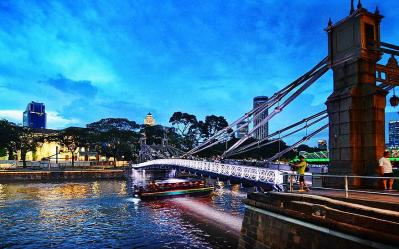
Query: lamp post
72	149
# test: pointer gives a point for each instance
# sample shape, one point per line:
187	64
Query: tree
107	124
28	141
9	137
3	152
72	138
212	125
187	127
119	144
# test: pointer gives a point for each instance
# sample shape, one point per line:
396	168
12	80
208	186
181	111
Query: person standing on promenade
386	170
300	169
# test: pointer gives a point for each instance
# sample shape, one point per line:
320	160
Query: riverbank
28	175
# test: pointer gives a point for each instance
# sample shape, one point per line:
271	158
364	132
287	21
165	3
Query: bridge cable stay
286	129
385	87
249	115
225	129
304	139
277	110
229	134
258	110
248	135
305	120
388	48
249	148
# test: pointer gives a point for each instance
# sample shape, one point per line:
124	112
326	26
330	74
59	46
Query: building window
370	37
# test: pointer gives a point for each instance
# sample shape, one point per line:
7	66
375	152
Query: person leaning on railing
386	170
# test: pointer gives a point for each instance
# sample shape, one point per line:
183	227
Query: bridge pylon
356	108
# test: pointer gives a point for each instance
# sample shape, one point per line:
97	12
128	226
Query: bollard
346	187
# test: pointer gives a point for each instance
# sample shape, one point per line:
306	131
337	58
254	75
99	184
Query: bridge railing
343	183
245	172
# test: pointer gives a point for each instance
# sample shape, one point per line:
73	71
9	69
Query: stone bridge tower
356	108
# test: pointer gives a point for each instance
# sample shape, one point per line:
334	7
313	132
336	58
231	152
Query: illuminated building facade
322	144
393	137
263	131
35	116
244	129
149	120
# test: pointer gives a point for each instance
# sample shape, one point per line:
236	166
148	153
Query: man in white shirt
386	170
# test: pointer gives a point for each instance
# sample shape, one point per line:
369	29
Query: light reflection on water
102	214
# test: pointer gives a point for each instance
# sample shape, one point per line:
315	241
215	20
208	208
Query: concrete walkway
373	198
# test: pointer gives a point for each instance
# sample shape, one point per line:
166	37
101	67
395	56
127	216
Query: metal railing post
291	182
346	187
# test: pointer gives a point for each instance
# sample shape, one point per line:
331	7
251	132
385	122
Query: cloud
89	61
14	116
76	87
54	119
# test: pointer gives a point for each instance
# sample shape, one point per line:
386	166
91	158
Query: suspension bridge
354	117
355	110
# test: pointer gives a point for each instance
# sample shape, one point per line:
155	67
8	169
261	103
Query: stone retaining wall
276	220
61	175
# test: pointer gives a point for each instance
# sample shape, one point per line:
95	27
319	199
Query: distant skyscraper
322	144
243	131
35	116
393	128
263	131
149	120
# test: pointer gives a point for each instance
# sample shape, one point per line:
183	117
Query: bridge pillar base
357	124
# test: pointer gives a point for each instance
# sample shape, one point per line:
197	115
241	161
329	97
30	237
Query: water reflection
105	214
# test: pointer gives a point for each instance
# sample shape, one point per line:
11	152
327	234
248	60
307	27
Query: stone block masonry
284	220
20	176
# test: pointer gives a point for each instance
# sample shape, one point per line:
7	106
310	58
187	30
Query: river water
105	214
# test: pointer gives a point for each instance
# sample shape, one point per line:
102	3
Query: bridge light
394	100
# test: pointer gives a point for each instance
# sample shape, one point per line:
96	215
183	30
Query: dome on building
149	120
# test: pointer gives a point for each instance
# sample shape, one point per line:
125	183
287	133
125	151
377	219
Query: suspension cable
260	109
249	148
287	128
313	78
298	143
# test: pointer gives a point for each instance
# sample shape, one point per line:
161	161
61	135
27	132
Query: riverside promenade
321	219
68	174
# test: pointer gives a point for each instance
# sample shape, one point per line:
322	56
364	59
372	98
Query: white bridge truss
250	173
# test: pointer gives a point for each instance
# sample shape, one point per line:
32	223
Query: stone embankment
60	175
287	220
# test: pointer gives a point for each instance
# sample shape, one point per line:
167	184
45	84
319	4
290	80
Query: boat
173	188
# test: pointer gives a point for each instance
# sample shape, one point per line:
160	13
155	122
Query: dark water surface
104	214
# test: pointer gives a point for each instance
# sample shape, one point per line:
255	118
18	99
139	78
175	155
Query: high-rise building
149	120
263	131
35	116
241	132
393	129
322	144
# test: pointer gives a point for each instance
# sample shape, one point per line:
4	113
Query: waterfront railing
344	183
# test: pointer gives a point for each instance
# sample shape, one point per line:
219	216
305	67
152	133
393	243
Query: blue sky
88	60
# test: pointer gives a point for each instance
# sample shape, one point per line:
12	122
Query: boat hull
206	191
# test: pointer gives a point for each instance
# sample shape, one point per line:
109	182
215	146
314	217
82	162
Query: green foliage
212	125
121	124
3	152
